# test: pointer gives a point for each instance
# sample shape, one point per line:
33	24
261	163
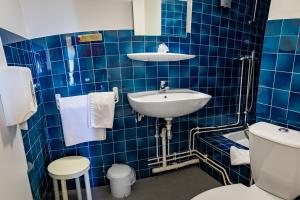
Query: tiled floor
178	185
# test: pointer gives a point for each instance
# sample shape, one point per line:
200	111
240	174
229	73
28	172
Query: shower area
215	142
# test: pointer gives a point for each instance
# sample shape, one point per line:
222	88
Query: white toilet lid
235	192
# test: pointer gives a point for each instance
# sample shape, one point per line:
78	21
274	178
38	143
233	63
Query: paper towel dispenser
17	94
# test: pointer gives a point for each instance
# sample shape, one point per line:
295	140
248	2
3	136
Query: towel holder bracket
114	89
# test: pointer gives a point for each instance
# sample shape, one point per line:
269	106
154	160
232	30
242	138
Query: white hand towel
74	118
239	156
101	109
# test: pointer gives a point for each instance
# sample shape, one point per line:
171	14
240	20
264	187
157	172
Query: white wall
284	9
14	183
11	17
2	55
51	17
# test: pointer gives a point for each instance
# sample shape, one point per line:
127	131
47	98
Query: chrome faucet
163	87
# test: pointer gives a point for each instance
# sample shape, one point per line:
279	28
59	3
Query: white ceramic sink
159	57
169	104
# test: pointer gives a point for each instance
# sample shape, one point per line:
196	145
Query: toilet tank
17	96
275	159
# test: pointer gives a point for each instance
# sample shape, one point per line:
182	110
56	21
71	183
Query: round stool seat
68	167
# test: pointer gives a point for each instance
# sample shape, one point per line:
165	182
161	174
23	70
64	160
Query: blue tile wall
35	140
62	65
173	18
279	93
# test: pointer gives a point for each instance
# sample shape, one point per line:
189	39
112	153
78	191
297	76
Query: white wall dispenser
17	94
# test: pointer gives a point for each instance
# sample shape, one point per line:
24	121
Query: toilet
275	165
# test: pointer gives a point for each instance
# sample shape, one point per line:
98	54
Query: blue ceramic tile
125	47
266	78
119	147
58	67
87	77
56	54
295	87
288	44
110	36
53	41
298	46
273	27
113	61
99	62
39	44
111	48
271	44
294	102
280	99
125	61
124	35
59	80
290	27
83	50
262	111
127	73
86	63
285	62
98	49
297	64
268	61
46	82
264	95
139	72
293	119
282	80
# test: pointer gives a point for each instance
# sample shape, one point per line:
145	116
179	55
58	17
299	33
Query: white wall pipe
193	152
171	159
239	107
156	137
164	146
169	134
203	157
215	165
171	155
175	166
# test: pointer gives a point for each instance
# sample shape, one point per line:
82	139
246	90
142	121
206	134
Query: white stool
71	167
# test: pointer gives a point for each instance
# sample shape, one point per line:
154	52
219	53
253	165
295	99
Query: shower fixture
254	13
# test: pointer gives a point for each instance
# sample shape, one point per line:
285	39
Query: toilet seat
236	192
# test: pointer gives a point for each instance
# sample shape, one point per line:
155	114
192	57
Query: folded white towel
73	111
239	156
101	109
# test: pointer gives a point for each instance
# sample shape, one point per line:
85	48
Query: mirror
162	17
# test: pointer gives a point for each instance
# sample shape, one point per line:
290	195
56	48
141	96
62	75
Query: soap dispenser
17	94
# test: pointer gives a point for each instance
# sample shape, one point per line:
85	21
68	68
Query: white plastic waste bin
121	178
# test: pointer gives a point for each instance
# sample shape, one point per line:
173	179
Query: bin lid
118	171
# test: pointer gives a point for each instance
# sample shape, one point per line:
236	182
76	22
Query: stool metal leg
56	191
78	189
64	189
87	186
